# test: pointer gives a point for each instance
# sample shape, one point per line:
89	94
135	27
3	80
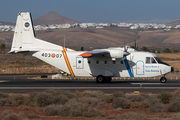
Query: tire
100	79
163	80
108	79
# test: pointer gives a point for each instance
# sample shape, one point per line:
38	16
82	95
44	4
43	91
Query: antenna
64	41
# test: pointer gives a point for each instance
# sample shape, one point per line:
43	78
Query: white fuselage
133	65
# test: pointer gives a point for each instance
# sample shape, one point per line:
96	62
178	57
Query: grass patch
72	109
121	102
164	97
17	99
153	104
33	116
137	105
174	106
3	95
118	94
11	117
88	93
5	102
6	112
137	98
133	115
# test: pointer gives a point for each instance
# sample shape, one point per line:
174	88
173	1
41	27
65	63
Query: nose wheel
163	79
101	79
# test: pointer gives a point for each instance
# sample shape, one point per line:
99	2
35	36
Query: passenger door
140	67
79	63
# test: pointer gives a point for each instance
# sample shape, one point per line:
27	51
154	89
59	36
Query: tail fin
24	36
24	33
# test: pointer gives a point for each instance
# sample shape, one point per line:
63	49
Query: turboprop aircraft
101	63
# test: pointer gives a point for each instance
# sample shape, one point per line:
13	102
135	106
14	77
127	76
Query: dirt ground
19	64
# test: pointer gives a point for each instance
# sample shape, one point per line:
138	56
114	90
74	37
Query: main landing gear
163	79
103	79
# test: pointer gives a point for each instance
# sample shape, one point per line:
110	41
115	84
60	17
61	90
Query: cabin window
97	61
148	60
105	62
79	61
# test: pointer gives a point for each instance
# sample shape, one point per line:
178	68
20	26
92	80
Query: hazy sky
97	11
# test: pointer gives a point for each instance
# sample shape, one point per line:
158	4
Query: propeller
136	48
126	53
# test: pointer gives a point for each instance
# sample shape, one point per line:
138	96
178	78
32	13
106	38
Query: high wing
110	52
88	54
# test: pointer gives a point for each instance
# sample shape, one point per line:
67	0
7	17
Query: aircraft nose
172	69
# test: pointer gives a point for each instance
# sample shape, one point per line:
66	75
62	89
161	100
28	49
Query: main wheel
100	79
108	79
163	80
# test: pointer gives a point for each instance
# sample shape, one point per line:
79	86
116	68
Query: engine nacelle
115	53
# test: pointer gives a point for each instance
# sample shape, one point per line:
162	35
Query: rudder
24	39
24	35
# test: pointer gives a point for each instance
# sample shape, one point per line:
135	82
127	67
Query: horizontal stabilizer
21	51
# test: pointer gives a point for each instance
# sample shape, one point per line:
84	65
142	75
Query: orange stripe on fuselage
86	54
67	61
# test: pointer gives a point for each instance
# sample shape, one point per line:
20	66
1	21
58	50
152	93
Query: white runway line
85	88
146	83
3	81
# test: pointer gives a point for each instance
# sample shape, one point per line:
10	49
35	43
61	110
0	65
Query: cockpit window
150	60
158	60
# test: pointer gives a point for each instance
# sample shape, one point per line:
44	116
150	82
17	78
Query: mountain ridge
174	23
53	18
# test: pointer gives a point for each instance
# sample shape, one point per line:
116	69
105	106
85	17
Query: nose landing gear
163	79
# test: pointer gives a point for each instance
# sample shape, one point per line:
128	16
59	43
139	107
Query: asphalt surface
24	84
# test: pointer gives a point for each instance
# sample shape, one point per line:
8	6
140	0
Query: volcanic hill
53	18
174	23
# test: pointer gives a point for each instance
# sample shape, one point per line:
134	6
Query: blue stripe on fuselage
127	66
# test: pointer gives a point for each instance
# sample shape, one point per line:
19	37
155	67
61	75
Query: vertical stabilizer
24	37
24	33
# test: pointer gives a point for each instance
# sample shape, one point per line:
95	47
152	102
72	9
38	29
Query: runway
21	84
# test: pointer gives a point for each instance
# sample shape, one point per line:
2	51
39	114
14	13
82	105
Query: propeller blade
125	47
135	47
125	50
126	53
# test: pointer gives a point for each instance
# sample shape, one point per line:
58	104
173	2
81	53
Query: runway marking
146	83
3	81
85	88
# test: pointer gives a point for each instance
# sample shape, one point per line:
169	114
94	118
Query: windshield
159	61
150	60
